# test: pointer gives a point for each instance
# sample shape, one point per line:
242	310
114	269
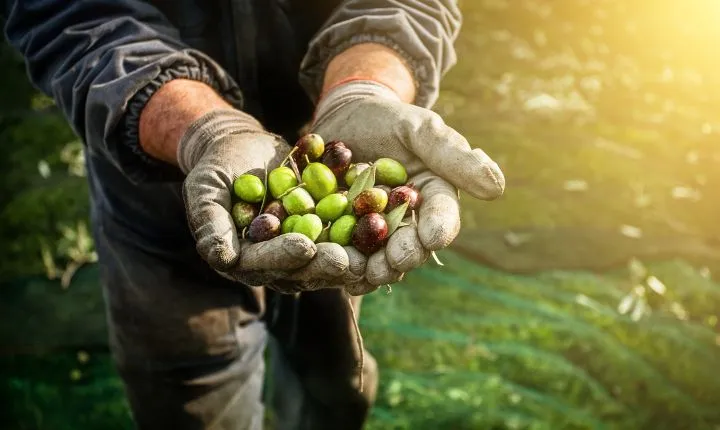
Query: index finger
439	214
208	201
447	153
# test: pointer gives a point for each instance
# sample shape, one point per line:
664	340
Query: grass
465	347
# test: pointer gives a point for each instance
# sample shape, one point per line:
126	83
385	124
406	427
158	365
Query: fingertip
435	235
379	272
297	245
332	259
220	251
360	288
277	254
329	263
357	260
218	256
439	221
405	251
487	180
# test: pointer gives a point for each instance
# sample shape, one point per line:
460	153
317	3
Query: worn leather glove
213	152
373	122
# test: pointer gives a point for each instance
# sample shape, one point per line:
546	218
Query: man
175	99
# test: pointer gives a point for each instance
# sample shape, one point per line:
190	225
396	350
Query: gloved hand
373	122
213	152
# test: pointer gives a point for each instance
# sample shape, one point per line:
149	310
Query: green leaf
395	217
364	181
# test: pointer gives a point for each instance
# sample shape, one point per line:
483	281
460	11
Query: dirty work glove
213	152
373	122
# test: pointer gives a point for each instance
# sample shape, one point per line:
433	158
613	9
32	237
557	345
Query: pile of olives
319	192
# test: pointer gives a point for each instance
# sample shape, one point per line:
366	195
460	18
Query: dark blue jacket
101	60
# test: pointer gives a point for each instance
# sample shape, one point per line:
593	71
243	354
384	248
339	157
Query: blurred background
585	298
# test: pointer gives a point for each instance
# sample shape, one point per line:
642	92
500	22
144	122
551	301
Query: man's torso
261	44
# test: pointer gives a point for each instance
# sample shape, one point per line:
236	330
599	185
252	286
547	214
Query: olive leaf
395	217
364	181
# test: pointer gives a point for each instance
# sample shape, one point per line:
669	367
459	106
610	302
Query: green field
582	299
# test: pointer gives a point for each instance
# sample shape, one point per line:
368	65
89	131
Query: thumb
449	155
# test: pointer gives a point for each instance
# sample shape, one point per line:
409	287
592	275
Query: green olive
298	202
353	171
311	145
390	172
280	180
249	188
289	223
243	214
319	180
331	207
342	229
371	200
310	225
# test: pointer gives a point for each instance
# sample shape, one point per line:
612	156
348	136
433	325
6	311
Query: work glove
213	152
374	122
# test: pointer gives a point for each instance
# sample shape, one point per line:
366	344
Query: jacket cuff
428	54
138	165
210	128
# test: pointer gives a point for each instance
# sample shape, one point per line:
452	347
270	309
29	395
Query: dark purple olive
371	200
370	233
276	208
404	193
337	158
334	143
264	227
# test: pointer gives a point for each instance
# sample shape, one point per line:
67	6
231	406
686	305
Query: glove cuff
210	128
349	90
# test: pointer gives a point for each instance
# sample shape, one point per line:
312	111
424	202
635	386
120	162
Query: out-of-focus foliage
69	391
466	347
603	115
43	192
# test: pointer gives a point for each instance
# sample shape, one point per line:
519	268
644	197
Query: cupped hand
374	123
215	151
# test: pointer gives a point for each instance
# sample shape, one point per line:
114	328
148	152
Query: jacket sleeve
101	60
423	32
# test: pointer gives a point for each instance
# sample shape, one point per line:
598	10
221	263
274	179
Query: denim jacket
101	60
